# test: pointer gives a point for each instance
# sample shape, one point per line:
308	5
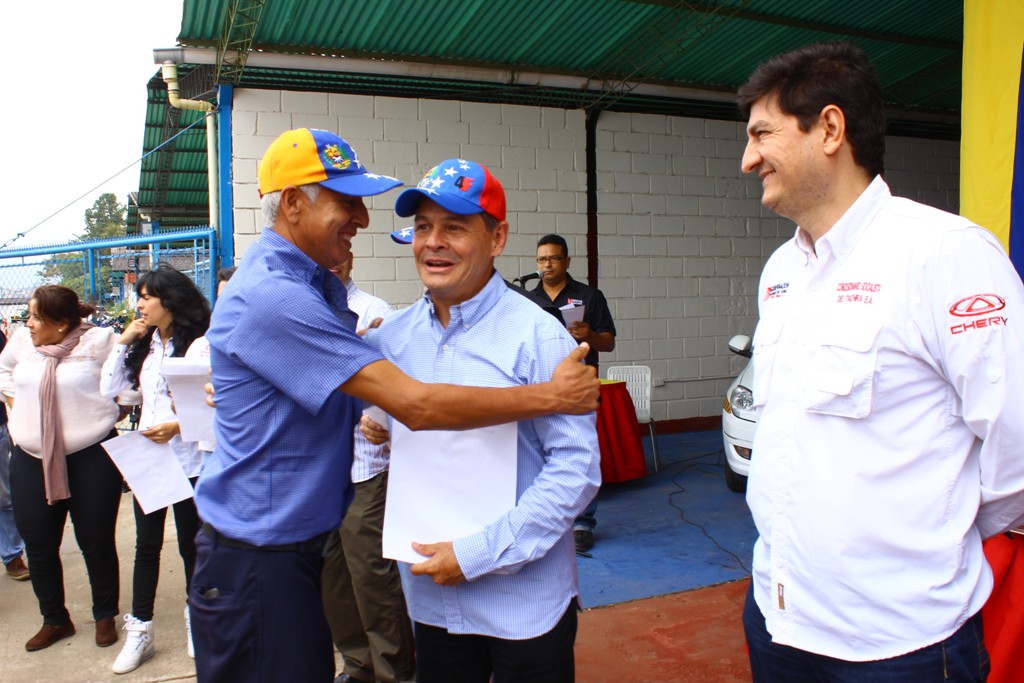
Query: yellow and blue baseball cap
461	186
305	156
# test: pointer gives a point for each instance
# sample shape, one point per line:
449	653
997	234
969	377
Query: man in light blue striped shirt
363	597
502	601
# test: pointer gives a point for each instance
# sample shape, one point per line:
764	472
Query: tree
104	219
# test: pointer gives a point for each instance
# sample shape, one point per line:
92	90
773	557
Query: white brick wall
683	236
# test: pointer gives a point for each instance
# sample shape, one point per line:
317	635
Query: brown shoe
106	632
48	635
17	570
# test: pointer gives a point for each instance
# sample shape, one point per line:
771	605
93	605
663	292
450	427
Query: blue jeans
11	545
588	520
962	657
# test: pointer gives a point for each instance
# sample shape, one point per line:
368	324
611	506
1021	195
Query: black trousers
149	541
442	657
95	485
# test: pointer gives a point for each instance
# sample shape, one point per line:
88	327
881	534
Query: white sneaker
188	634
138	646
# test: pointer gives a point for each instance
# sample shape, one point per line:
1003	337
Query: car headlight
741	401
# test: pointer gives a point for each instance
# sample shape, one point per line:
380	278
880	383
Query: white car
738	419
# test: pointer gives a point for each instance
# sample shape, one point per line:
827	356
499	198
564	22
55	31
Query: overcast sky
73	80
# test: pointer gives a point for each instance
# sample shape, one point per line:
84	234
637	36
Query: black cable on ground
683	466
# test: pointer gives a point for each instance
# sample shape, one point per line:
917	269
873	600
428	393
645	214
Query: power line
88	192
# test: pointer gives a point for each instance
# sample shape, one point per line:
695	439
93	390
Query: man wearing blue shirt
276	484
501	602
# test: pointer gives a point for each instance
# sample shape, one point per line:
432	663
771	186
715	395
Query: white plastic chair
638	384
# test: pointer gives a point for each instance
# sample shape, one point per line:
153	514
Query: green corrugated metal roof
711	45
715	43
173	187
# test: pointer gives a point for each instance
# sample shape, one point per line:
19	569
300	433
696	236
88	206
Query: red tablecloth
1004	627
618	433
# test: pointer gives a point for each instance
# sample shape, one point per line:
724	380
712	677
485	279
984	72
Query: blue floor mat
672	531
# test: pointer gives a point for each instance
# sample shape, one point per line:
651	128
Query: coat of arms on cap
334	156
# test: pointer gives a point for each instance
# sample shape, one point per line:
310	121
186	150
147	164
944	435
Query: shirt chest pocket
765	343
841	376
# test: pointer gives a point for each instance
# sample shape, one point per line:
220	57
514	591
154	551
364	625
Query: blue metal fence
104	272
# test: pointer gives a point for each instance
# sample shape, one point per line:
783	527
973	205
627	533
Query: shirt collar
472	310
289	256
293	260
844	235
159	342
568	285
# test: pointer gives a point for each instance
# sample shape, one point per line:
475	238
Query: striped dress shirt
521	569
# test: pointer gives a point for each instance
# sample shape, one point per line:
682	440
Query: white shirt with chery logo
888	365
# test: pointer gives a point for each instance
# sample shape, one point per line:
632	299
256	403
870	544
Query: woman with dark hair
172	314
52	367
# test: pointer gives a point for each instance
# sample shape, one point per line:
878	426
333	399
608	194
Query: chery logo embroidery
977	304
980	307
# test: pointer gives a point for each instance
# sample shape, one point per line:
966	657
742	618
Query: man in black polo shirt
557	288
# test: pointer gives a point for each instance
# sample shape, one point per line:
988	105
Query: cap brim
401	237
362	184
411	198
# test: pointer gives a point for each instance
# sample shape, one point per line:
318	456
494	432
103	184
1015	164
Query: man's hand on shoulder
576	384
441	564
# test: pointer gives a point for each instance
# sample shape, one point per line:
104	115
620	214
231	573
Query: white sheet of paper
446	485
572	314
186	378
151	469
376	414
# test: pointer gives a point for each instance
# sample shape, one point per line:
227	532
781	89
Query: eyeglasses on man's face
549	259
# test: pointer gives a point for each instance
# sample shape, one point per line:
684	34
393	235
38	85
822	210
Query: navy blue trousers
962	658
258	615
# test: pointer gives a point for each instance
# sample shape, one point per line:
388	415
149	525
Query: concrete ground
696	636
676	636
77	659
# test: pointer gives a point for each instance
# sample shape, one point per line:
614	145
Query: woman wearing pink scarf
51	370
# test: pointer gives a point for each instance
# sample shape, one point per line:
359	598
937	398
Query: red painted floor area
691	636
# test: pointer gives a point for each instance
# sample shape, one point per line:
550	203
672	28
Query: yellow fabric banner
993	45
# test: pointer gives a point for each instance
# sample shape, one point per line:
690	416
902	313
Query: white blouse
156	399
86	415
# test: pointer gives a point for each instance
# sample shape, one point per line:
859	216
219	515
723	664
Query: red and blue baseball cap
461	186
305	156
